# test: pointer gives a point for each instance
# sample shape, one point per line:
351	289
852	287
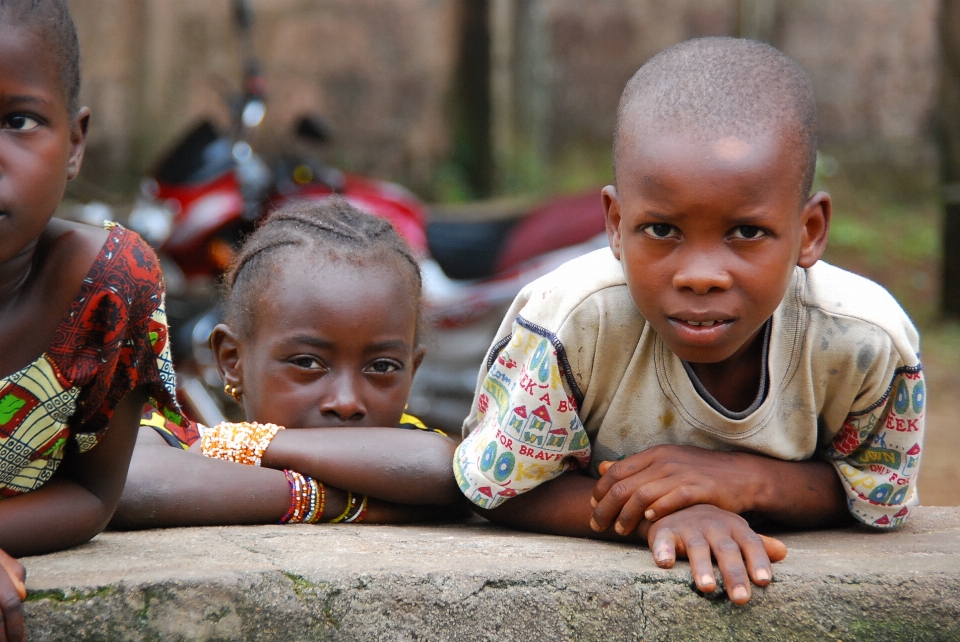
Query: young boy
710	353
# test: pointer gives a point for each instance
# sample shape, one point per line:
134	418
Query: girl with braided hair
321	337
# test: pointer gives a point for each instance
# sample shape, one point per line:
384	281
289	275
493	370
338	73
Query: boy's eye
748	232
384	366
307	362
661	231
21	123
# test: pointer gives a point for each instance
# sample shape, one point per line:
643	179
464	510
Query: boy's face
41	142
709	233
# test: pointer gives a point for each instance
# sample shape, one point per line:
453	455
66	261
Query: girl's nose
343	401
702	273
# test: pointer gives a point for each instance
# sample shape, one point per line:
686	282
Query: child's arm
12	593
79	501
393	464
868	470
169	487
665	479
562	507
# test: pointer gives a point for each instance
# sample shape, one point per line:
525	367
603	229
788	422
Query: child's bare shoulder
70	249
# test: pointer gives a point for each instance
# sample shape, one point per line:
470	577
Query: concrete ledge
479	582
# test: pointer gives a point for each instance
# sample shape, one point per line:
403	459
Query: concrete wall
378	71
383	71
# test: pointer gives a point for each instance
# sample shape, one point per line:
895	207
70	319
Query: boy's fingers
697	551
664	548
775	549
755	555
670	501
614	471
730	561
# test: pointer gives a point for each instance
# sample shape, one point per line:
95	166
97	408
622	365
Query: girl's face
331	345
41	143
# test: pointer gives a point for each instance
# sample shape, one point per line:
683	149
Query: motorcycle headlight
151	220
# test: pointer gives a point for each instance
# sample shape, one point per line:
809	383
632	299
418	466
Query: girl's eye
21	123
749	232
307	362
384	366
661	231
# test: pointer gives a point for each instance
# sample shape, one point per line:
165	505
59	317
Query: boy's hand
12	593
699	531
664	479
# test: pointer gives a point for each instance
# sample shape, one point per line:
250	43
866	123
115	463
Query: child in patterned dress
709	366
82	325
321	334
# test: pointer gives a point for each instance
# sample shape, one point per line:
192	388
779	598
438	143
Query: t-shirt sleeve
877	451
127	317
527	428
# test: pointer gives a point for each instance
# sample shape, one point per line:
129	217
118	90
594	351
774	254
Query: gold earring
231	391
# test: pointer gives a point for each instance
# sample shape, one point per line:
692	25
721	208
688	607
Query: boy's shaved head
51	20
711	88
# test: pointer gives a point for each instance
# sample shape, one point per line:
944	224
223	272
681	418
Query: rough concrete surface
480	582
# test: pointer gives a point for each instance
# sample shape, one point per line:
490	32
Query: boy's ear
815	222
78	142
611	209
226	355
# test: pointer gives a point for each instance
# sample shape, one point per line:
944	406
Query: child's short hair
51	20
325	229
714	87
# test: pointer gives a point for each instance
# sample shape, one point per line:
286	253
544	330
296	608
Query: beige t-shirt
576	376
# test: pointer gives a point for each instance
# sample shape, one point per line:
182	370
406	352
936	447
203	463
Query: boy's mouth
700	330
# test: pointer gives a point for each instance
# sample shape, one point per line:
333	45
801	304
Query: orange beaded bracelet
242	443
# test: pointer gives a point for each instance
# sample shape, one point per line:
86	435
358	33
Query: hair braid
330	228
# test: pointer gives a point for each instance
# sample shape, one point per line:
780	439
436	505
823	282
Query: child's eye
661	231
384	366
307	362
748	232
21	123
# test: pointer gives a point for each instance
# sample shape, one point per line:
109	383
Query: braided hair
329	229
51	20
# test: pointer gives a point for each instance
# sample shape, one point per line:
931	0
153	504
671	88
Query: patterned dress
112	341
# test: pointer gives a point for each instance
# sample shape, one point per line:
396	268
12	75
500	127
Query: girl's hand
664	479
12	593
699	531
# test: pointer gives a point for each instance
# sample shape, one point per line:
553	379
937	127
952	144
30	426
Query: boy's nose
702	274
343	401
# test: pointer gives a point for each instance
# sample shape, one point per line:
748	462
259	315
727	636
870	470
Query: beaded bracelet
355	511
308	498
243	443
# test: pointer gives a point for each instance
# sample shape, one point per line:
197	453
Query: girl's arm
170	487
393	464
79	501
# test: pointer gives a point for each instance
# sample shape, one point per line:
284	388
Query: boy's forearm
804	494
557	507
392	464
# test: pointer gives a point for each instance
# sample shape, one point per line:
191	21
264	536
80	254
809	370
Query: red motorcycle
210	190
